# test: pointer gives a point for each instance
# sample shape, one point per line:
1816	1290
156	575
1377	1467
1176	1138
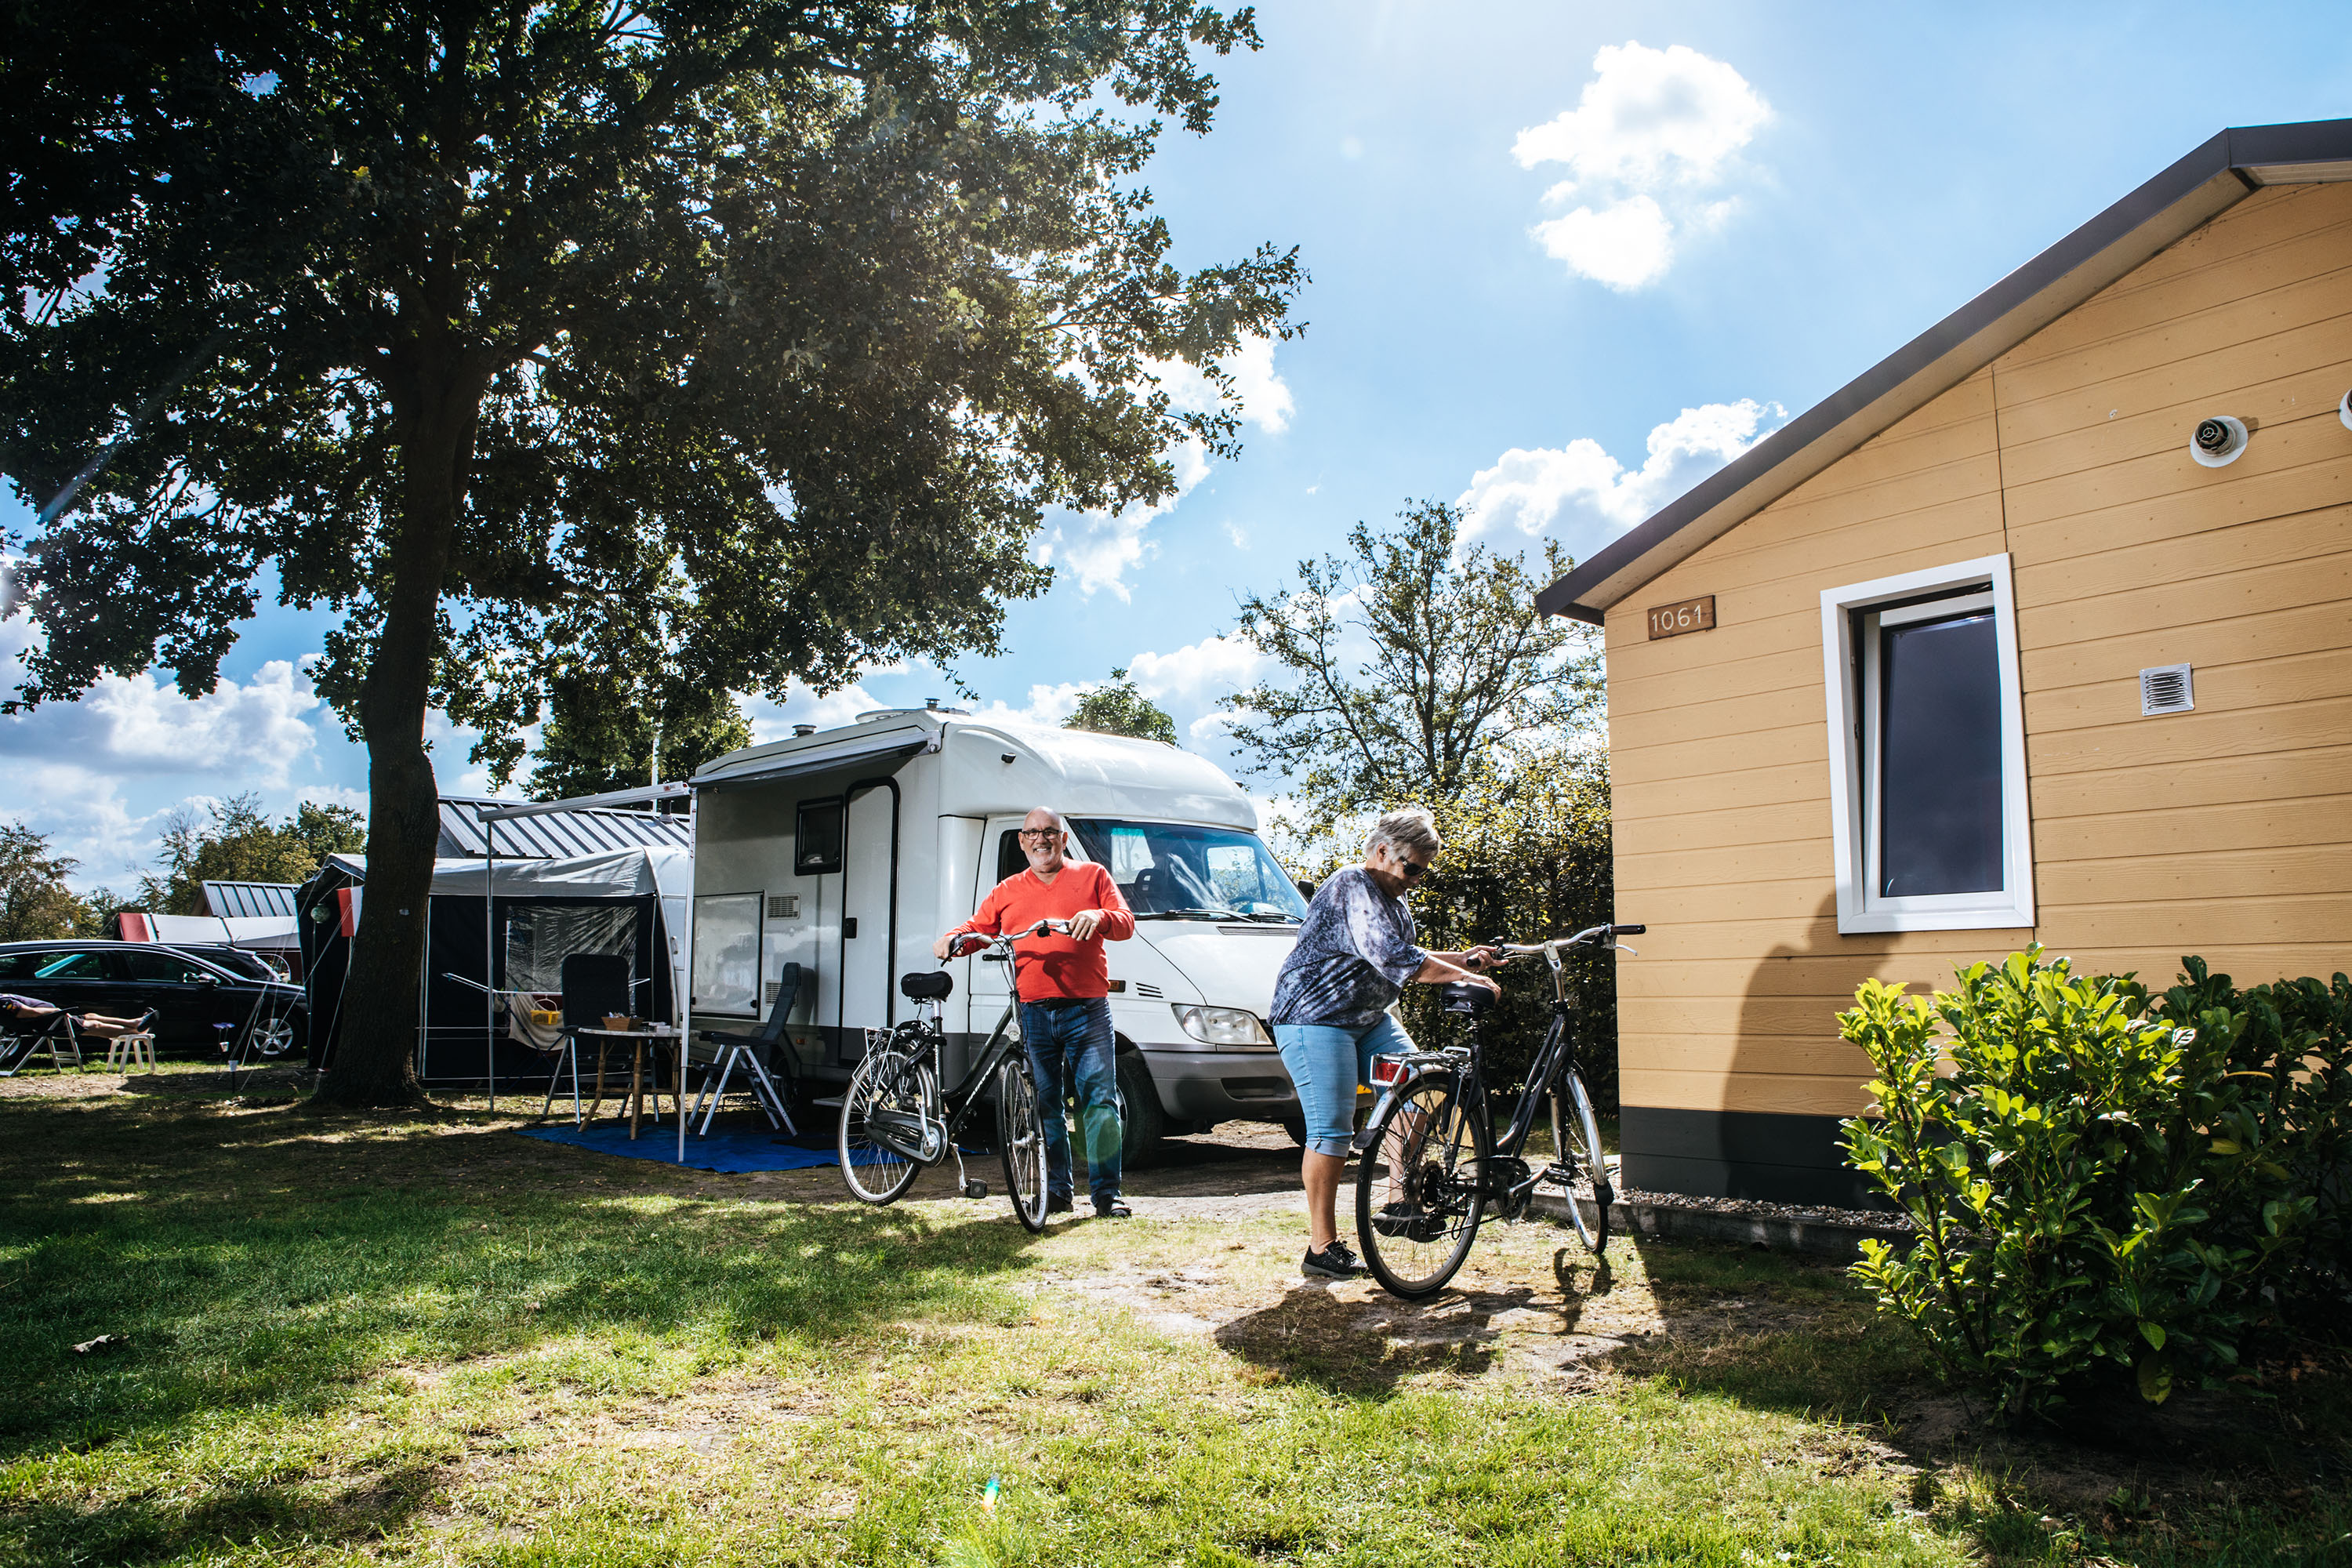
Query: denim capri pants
1327	1063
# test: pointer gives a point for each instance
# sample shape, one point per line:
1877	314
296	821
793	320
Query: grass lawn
439	1342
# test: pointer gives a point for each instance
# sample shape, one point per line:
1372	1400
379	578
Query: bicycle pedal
975	1189
1558	1175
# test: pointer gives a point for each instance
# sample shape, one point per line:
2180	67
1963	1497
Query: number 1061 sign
1690	615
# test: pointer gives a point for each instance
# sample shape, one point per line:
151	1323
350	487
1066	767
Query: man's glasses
1412	870
1039	835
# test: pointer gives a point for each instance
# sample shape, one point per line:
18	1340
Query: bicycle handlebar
981	944
1591	936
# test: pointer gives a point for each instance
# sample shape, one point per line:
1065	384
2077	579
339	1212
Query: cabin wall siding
2225	832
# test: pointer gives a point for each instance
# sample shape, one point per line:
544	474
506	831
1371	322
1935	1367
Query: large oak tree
765	331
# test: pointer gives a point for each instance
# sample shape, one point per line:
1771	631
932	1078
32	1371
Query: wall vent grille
2166	689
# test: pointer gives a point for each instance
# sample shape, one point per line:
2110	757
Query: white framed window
1927	751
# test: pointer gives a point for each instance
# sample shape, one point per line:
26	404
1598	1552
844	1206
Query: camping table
640	1038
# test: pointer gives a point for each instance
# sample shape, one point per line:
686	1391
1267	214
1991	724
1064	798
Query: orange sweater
1052	965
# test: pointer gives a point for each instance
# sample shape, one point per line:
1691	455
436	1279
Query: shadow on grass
261	1264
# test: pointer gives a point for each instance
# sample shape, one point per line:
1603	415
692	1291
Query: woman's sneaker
1333	1262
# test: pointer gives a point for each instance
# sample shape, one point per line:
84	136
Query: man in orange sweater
1064	984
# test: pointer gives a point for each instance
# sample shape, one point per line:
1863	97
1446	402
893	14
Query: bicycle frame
957	1104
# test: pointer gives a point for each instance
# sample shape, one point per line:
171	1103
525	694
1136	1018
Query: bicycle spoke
1418	1200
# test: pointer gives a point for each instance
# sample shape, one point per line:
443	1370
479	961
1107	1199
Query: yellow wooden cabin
2041	630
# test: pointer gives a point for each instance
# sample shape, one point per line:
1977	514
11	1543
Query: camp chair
23	1038
755	1052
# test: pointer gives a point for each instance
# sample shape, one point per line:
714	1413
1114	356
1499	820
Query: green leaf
2153	1334
2155	1379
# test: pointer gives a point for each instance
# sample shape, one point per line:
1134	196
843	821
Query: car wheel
1144	1123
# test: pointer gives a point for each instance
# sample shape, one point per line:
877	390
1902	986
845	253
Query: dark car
204	996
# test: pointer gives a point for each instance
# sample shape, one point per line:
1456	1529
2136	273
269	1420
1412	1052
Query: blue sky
1567	261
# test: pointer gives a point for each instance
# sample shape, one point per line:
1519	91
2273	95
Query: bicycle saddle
1461	996
931	987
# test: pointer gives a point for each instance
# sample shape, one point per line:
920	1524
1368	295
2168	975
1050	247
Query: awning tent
623	900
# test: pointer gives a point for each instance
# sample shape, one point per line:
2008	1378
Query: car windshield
1179	870
237	960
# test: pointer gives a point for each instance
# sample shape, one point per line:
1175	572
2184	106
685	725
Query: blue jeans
1327	1063
1071	1052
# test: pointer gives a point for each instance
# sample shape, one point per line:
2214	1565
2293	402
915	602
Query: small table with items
655	1034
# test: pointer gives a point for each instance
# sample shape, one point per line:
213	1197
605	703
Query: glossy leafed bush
2098	1180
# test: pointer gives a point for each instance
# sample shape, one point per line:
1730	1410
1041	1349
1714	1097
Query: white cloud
1099	547
1529	491
1197	672
1651	132
774	722
1048	704
1238	535
251	733
1265	400
1624	246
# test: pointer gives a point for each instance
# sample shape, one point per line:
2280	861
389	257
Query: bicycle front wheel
1420	1185
1020	1139
892	1084
1576	1143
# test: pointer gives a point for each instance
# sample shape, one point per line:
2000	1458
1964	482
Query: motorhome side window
1010	861
816	837
1928	767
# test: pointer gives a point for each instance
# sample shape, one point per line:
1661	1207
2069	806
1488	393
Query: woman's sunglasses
1412	870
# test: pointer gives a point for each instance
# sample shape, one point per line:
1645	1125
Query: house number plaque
1690	615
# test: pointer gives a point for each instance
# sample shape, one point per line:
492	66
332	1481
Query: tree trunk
375	1062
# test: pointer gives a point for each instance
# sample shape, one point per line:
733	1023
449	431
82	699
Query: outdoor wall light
2344	410
2218	440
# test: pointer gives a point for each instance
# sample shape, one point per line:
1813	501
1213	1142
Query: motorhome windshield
1177	872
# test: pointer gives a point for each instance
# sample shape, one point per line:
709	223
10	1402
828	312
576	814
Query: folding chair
754	1052
29	1038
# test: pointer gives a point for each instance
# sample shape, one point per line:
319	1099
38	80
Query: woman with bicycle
1355	954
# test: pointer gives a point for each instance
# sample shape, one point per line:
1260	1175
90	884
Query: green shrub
2096	1179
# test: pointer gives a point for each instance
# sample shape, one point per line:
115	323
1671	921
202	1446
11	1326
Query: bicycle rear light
1386	1070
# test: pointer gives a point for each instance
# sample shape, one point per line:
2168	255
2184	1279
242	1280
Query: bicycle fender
1362	1141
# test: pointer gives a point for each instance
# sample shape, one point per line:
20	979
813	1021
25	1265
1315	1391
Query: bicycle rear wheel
1419	1185
1576	1143
894	1084
1020	1139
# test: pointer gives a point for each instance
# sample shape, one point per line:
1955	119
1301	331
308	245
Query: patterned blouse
1354	954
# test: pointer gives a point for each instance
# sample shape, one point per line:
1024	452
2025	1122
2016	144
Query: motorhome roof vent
2166	689
804	729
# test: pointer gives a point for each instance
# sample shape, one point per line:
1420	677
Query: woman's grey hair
1409	829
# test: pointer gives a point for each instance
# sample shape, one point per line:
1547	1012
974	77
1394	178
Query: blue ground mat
755	1147
749	1144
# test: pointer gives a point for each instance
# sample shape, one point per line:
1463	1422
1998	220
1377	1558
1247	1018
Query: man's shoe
1059	1205
1112	1208
1334	1262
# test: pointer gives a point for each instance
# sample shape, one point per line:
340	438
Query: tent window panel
1938	713
539	939
727	954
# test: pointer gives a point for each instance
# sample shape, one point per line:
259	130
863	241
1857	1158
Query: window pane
159	968
1164	867
1939	817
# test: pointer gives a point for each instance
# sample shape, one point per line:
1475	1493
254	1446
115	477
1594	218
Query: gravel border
1814	1232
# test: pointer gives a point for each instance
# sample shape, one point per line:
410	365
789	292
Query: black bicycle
896	1123
1430	1166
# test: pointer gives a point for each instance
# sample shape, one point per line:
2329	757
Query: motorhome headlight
1221	1025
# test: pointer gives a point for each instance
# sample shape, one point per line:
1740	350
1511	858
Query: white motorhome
847	851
